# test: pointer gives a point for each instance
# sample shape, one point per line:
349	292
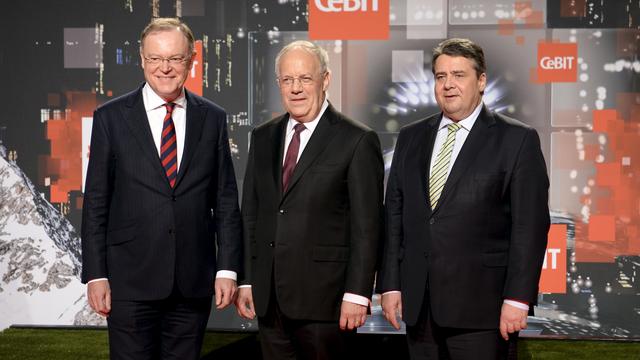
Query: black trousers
172	328
282	338
427	340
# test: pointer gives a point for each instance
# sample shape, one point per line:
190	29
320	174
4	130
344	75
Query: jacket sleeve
530	221
97	198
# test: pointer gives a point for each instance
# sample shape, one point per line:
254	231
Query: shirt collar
152	101
466	123
309	125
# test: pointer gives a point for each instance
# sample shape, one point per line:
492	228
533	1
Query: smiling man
160	195
312	216
466	219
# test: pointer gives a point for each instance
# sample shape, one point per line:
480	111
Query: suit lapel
317	143
277	141
137	121
195	120
425	141
472	146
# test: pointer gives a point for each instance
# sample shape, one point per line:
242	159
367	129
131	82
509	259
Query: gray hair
167	24
308	46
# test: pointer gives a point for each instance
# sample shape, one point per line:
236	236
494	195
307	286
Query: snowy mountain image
39	258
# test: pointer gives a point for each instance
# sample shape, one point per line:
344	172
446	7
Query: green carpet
53	344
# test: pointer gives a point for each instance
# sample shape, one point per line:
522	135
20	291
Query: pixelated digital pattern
608	70
64	165
82	48
470	12
596	14
407	66
426	19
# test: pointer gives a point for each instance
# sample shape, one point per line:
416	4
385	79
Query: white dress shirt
461	136
305	135
156	111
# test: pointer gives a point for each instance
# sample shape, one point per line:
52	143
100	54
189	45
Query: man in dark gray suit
312	211
466	219
160	192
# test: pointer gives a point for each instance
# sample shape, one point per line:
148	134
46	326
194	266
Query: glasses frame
304	80
175	60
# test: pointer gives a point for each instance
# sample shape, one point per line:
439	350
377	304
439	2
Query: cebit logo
345	5
557	62
348	19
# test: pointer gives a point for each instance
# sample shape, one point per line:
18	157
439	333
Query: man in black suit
312	211
160	193
466	219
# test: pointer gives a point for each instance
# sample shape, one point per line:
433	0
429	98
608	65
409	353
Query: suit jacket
319	239
140	233
485	240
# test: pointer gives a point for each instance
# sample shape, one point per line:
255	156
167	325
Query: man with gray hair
312	213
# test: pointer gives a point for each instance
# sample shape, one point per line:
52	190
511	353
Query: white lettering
346	5
557	62
554	259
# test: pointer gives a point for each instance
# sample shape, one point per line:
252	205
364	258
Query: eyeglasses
304	80
157	60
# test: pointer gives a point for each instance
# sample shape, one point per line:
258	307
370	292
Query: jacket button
432	221
281	211
170	231
173	198
271	244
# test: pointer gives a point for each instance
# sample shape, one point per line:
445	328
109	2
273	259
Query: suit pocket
331	253
121	235
495	259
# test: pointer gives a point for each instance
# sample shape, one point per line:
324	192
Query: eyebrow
452	72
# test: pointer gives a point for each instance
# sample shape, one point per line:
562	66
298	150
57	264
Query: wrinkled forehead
299	61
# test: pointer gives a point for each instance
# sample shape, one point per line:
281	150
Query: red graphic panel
554	269
194	79
64	165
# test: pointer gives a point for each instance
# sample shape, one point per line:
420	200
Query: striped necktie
168	146
441	167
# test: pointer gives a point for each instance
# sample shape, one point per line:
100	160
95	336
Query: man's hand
512	320
392	308
225	290
352	315
244	303
99	296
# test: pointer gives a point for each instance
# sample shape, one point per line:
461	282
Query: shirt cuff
98	279
517	304
356	299
390	292
227	274
244	286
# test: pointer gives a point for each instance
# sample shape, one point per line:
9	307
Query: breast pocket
323	168
488	185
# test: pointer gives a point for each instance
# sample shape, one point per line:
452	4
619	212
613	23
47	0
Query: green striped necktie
439	172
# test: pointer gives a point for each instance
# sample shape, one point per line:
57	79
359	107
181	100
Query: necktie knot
299	127
169	107
453	127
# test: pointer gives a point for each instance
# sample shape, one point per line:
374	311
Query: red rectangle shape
554	269
349	19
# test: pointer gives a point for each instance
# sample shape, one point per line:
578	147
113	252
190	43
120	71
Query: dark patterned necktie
168	146
292	156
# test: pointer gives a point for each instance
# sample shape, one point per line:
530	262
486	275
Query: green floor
52	344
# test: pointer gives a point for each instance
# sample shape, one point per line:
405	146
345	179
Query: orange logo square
557	62
553	278
348	19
